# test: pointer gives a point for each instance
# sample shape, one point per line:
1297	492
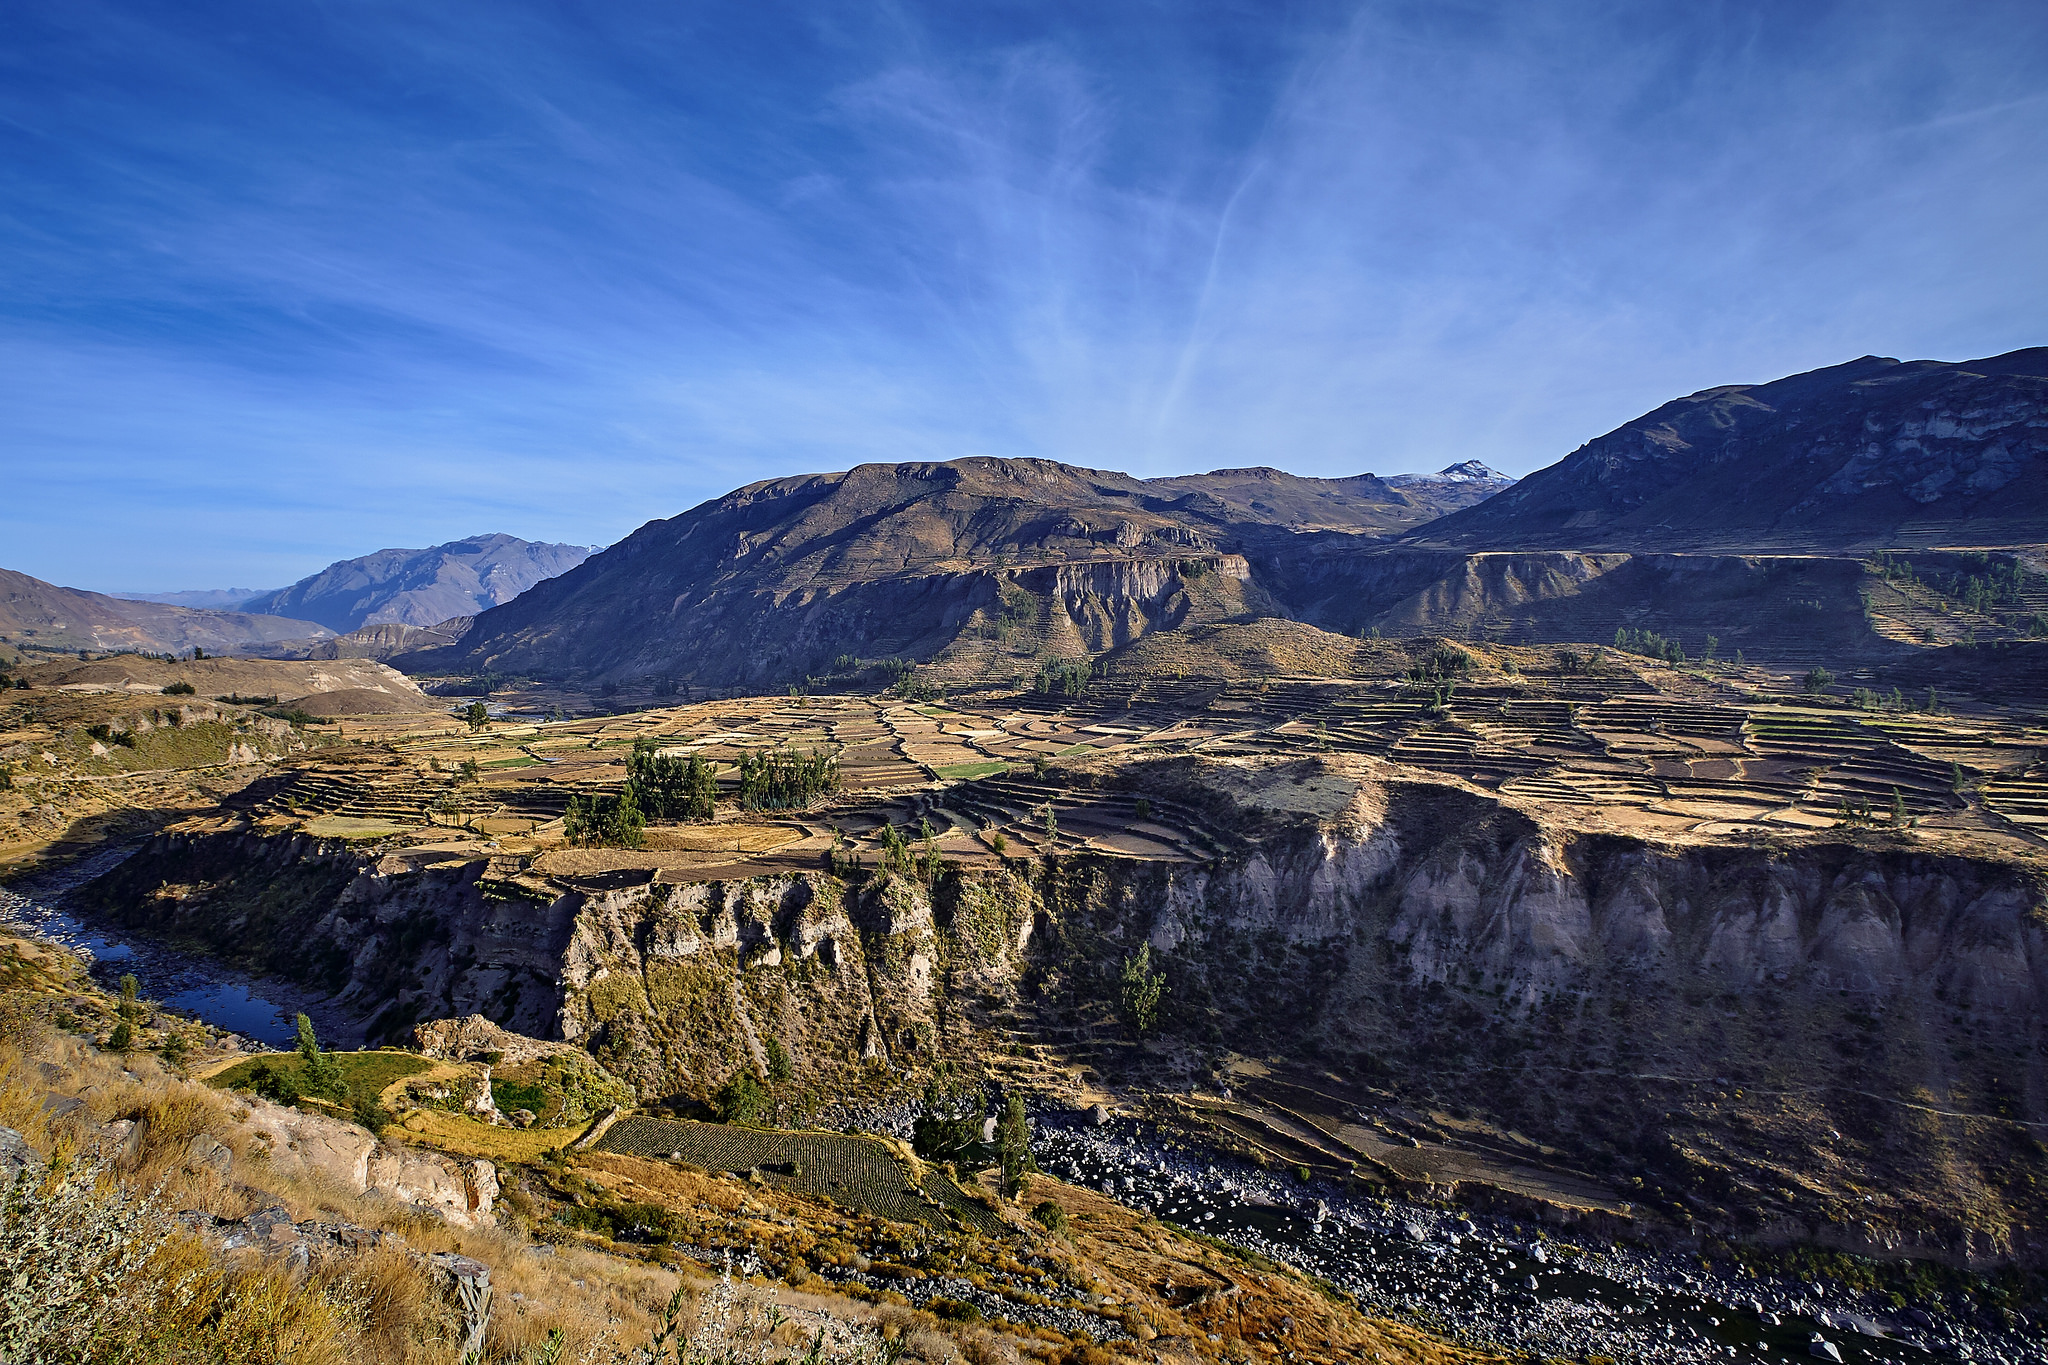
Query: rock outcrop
313	1146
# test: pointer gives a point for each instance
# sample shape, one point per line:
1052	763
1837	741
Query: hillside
42	616
421	587
784	576
1875	452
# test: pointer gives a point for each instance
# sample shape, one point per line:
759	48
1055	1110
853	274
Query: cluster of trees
1652	645
954	1117
1066	677
1019	611
1436	678
785	780
921	861
668	786
671	787
746	1099
2001	585
599	819
317	1077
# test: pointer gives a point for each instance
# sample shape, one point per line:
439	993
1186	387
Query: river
180	982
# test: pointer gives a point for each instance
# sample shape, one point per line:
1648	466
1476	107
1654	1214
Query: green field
349	827
855	1171
516	761
972	770
365	1073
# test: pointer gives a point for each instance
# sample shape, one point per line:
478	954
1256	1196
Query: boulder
301	1144
208	1154
17	1158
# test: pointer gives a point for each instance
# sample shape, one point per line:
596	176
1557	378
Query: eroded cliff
1833	1039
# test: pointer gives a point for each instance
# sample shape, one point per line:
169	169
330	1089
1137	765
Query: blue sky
282	283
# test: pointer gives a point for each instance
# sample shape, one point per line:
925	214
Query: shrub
370	1114
178	689
1816	681
78	1250
123	1037
1051	1215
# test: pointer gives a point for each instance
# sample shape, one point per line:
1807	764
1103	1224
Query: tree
123	1036
1013	1148
320	1075
743	1099
952	1117
1817	680
130	988
1142	990
1050	1215
1898	807
604	821
479	717
779	1068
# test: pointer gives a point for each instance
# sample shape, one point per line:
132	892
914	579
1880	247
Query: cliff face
392	939
1825	1040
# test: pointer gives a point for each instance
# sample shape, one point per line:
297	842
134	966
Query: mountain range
777	579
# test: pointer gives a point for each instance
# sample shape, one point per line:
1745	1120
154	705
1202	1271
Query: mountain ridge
421	587
1874	451
45	616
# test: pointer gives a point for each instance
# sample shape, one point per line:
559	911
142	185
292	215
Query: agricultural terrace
1586	736
857	1172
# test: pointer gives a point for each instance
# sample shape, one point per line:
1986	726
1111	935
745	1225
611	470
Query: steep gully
1765	1046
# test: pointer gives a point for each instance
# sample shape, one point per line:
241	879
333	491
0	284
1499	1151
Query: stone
1098	1114
62	1106
522	1118
121	1140
208	1154
297	1144
1821	1347
17	1158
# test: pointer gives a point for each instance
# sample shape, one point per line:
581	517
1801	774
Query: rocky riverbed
1501	1281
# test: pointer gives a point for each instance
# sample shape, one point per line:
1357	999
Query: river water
180	982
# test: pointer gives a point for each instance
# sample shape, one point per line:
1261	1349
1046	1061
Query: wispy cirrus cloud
283	284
